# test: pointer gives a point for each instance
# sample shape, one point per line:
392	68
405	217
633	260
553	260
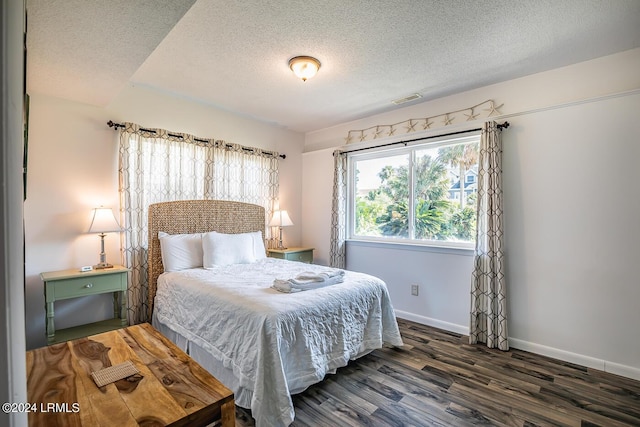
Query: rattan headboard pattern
196	216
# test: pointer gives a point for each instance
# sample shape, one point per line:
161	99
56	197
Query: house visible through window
423	194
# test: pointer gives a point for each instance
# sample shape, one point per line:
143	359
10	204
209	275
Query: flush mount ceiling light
304	67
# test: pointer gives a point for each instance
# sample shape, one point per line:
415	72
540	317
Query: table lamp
104	221
280	219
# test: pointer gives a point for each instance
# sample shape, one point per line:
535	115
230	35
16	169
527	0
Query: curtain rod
114	125
500	126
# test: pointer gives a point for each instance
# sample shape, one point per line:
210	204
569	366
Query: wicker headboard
196	216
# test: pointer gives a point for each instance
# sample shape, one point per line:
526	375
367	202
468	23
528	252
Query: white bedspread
277	344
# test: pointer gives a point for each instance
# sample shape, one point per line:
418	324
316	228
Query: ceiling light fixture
304	67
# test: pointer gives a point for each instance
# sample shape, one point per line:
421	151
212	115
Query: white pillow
258	245
225	249
180	251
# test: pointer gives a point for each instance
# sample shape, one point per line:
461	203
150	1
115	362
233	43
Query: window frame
410	149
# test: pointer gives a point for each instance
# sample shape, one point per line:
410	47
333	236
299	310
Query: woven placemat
114	373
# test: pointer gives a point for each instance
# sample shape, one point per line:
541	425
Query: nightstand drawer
90	285
293	254
306	256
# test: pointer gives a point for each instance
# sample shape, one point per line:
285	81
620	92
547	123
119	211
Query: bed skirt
214	366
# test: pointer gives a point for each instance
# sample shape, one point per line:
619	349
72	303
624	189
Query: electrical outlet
414	290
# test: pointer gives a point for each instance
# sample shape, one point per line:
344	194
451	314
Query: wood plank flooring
437	379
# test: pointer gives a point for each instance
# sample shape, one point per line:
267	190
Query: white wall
73	167
571	247
571	212
317	184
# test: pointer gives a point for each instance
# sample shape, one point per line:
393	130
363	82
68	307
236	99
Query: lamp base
103	257
280	247
102	266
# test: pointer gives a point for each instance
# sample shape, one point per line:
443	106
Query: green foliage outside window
441	211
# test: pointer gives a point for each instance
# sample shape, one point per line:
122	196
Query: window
415	194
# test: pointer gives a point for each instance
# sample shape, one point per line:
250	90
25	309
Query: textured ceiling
87	50
233	54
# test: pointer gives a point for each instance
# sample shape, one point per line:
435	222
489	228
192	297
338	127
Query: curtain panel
488	322
338	249
159	166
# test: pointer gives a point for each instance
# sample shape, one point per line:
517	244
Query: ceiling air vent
407	99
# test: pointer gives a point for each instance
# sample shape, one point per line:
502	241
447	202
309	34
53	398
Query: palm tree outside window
423	193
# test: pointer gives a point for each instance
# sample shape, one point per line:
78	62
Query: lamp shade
280	219
104	221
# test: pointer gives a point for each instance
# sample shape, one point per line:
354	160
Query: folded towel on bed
306	281
321	276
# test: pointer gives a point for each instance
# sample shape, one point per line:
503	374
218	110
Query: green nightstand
65	284
293	254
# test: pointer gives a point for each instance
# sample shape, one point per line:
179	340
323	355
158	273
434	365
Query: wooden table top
171	389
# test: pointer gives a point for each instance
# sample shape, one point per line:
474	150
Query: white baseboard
579	359
622	370
459	329
567	356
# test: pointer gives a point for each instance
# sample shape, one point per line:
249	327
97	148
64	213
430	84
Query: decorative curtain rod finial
114	125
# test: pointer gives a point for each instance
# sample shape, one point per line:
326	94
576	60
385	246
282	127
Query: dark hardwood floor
437	379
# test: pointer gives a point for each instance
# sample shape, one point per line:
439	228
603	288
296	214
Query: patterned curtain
488	290
338	250
243	175
159	166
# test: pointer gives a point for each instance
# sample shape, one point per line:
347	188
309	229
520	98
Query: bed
263	344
